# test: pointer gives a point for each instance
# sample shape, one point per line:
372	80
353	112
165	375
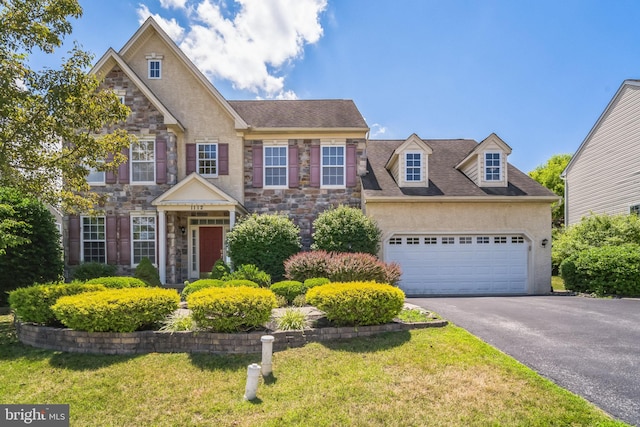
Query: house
203	161
603	176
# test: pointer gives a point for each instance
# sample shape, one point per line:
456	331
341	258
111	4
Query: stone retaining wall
192	342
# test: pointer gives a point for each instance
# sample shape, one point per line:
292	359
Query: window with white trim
95	177
430	240
517	239
155	68
333	166
448	240
492	166
395	241
143	238
413	240
500	240
275	165
465	240
482	240
413	166
143	164
635	209
94	243
207	155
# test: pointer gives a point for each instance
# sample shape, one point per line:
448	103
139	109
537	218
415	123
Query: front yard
440	376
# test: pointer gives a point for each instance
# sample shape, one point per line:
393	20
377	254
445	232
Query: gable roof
604	114
491	139
301	114
194	189
412	140
145	31
444	179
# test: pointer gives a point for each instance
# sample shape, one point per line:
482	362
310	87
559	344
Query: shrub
292	320
595	231
201	284
316	281
346	229
30	250
250	272
91	270
299	301
289	289
604	270
116	310
33	304
232	310
146	272
117	282
281	301
240	282
357	303
220	269
264	240
341	267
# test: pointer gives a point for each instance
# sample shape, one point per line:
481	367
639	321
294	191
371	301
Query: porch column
162	246
232	219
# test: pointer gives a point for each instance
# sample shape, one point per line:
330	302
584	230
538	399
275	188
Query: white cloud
171	26
176	4
250	47
377	130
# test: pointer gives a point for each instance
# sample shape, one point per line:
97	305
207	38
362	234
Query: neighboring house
456	216
603	176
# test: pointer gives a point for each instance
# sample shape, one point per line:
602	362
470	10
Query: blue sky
537	73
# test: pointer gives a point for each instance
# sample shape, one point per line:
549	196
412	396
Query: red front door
210	247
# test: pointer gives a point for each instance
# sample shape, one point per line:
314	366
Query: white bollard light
253	373
267	351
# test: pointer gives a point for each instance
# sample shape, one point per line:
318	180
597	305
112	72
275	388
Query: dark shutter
351	166
257	165
191	158
110	176
223	159
315	166
125	240
161	161
294	167
123	169
74	240
112	246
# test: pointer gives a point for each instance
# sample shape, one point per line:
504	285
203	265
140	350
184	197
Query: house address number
197	207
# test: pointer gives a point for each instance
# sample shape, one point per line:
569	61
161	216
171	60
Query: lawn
557	283
439	376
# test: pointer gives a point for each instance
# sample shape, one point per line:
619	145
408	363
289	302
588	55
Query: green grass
557	283
436	376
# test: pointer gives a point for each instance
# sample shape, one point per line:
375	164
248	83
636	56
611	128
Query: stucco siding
533	220
605	176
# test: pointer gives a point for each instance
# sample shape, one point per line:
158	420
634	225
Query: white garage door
458	265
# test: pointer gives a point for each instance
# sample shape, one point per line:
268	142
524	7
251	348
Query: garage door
459	265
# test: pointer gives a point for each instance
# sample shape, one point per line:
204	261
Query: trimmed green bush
116	310
91	270
605	270
265	241
289	289
341	267
250	272
346	229
30	250
118	282
240	282
357	303
146	272
220	269
232	309
201	284
315	281
33	304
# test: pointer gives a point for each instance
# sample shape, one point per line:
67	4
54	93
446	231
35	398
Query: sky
537	73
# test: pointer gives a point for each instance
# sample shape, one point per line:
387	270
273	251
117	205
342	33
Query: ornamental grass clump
357	303
116	310
231	309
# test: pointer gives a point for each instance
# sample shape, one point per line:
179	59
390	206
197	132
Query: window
482	240
413	240
517	239
430	240
207	159
95	176
333	166
492	168
635	209
155	68
143	167
143	238
395	241
94	247
448	240
500	240
465	240
275	166
413	167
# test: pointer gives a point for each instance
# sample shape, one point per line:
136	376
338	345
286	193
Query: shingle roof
444	178
325	113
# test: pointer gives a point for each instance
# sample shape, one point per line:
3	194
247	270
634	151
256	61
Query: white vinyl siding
605	175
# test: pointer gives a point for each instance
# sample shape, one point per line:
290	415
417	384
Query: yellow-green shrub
357	303
201	284
33	304
231	309
118	282
116	310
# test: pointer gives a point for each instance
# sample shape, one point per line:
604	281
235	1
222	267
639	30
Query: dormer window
413	167
154	64
492	167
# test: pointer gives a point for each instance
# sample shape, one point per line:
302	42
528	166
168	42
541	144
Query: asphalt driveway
588	346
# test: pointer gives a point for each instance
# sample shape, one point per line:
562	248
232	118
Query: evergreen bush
250	272
146	272
289	289
346	229
92	270
220	269
201	284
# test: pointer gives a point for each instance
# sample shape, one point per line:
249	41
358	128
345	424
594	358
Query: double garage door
460	264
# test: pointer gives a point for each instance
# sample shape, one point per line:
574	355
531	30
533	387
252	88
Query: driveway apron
588	346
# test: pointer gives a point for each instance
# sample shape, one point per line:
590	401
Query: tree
346	229
52	120
549	176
